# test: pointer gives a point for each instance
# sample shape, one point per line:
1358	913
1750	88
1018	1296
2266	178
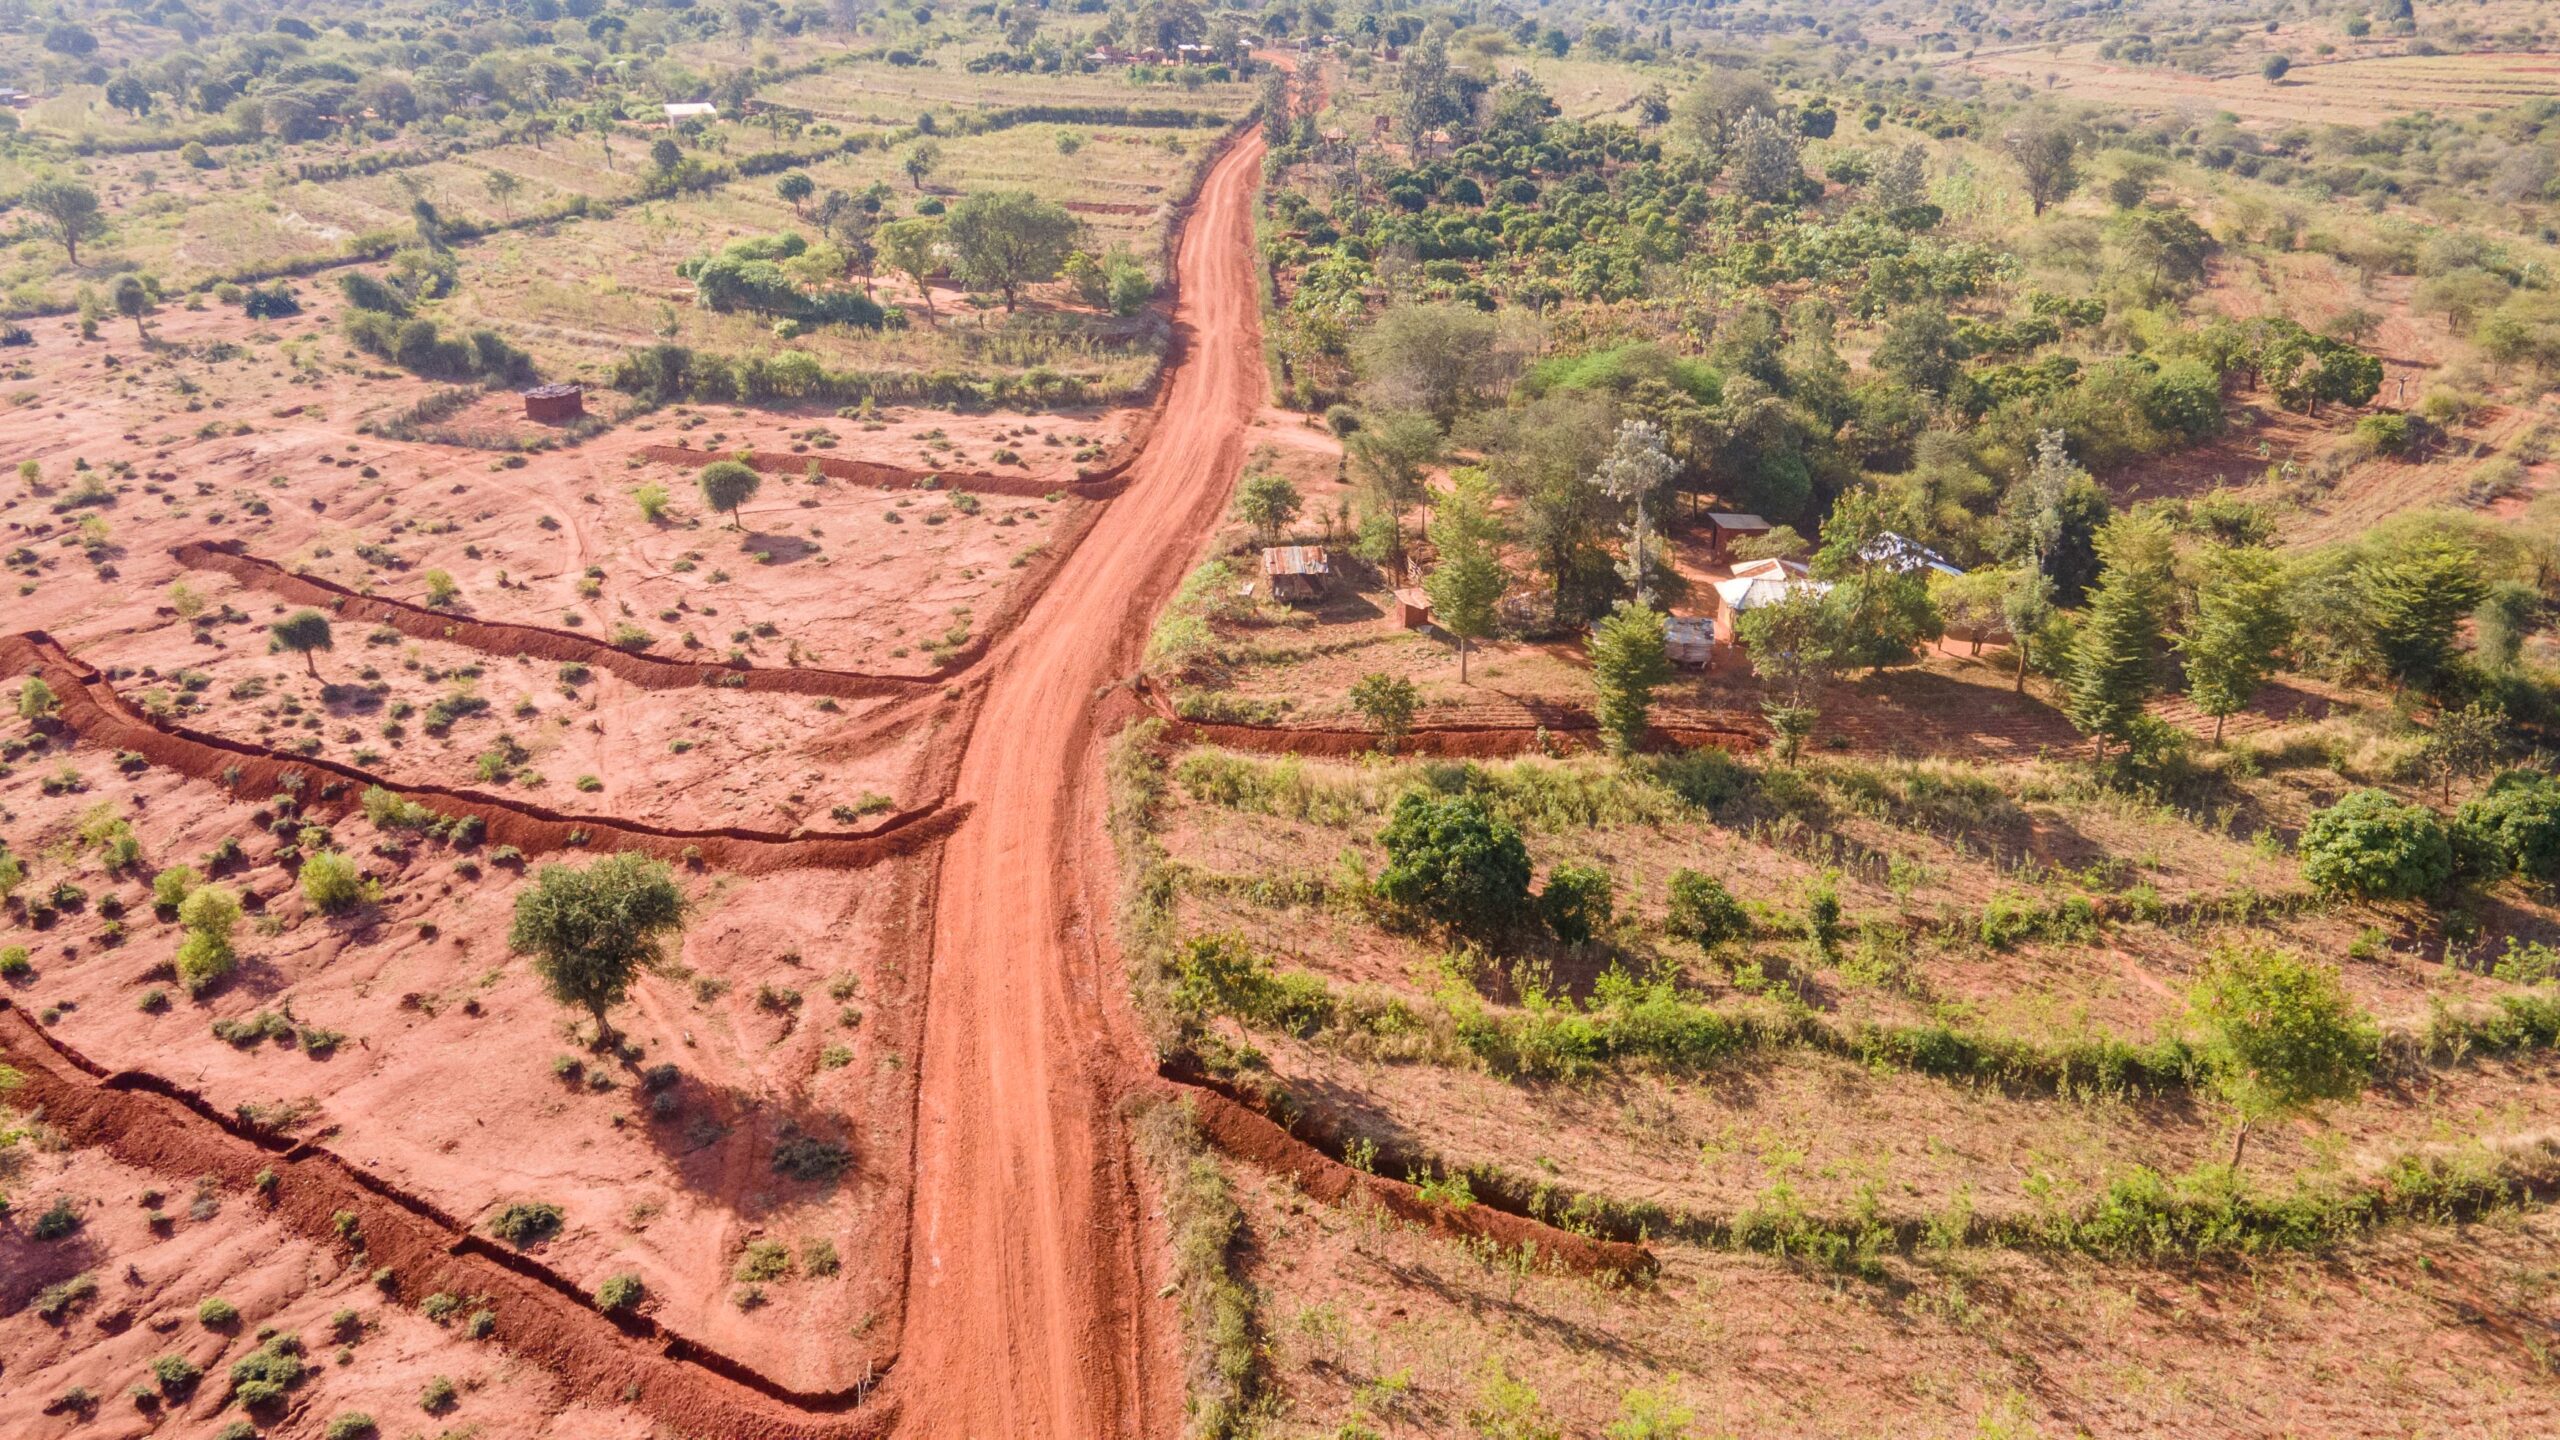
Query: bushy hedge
665	374
2374	847
2517	822
416	344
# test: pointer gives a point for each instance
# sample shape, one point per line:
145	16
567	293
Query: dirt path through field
1027	1311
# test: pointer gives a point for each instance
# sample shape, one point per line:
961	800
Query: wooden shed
1725	527
555	404
1413	608
1297	572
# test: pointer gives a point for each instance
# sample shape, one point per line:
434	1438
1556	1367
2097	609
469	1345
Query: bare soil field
2350	90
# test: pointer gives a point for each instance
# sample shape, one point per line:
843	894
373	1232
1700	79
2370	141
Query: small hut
1690	640
555	404
1297	572
1724	527
1413	608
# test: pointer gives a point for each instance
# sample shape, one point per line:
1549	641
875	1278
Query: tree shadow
775	548
708	1133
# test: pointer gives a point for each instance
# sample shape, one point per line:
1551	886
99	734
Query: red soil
91	707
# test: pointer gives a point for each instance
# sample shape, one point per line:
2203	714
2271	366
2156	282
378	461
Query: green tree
919	161
66	208
133	301
2415	596
2115	660
1703	911
1392	454
1003	240
330	883
1469	579
1453	860
2373	847
1638	468
2517	820
1795	650
36	700
795	187
2276	68
304	633
2241	623
1628	660
2463	743
592	932
2277	1037
1269	502
2047	155
1387	702
1439	358
502	186
728	484
913	248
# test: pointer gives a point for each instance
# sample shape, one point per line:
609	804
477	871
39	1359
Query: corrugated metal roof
1735	520
1296	560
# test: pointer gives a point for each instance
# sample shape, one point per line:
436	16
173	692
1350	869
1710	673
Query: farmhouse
1297	572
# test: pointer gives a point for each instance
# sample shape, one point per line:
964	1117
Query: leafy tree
1714	113
2114	663
1437	358
1880	601
330	883
795	187
1638	467
1268	502
133	301
2499	625
591	932
913	248
36	700
2047	155
665	155
919	161
502	186
1768	160
304	633
129	95
1795	650
1903	182
1450	858
728	484
2053	515
2276	68
1703	911
2463	743
1541	455
1006	239
2278	1037
1920	349
1469	579
2374	847
1392	453
66	208
2414	597
1387	702
1628	660
2241	622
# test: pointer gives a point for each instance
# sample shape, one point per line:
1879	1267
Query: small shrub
2374	847
619	1293
1578	901
438	1395
1704	911
352	1425
213	1312
526	1223
764	1260
331	884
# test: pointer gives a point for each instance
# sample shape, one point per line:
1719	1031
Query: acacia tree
2047	156
67	208
133	301
2241	622
913	248
728	484
1469	577
1006	239
304	633
2279	1036
592	932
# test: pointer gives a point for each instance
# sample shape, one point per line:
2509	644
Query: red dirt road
1028	1314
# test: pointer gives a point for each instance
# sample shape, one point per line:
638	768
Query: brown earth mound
152	1124
93	710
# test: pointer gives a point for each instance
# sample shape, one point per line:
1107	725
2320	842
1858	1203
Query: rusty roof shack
1724	527
1297	572
555	404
